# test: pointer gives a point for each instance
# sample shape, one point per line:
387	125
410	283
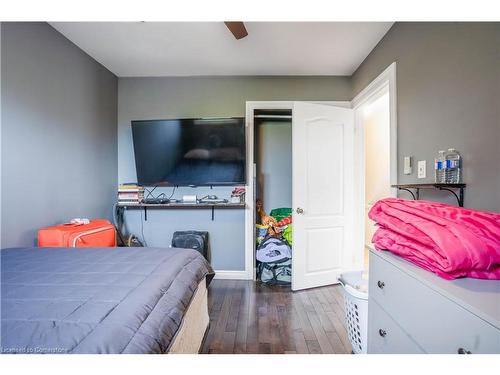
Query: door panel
323	143
322	261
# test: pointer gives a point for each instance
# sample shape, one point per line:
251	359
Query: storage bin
355	290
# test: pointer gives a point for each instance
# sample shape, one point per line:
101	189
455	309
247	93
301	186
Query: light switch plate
421	169
407	165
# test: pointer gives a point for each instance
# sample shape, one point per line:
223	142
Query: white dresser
411	310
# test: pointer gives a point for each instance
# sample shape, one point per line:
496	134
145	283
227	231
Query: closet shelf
448	187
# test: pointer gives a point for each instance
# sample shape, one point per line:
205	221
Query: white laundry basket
356	308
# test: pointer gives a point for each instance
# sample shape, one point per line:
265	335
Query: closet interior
273	195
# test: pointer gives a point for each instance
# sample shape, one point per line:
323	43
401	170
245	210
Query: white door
323	193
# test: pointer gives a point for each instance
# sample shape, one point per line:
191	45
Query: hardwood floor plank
321	336
217	289
327	325
253	329
300	342
322	299
305	324
277	344
240	344
234	310
228	342
320	310
216	345
313	347
285	329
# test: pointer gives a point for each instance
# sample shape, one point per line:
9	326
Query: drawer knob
380	284
463	351
382	332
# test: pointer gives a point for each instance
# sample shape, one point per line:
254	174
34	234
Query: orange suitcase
97	233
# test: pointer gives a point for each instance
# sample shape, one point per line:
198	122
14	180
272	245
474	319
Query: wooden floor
250	317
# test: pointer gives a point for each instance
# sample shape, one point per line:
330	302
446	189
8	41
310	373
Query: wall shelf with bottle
448	167
414	189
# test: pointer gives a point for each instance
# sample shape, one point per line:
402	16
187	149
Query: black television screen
190	152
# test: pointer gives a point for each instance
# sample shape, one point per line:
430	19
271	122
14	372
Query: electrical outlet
421	169
407	165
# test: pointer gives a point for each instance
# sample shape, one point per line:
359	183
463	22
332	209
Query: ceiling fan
237	28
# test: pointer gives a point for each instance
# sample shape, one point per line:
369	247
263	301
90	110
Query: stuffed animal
266	220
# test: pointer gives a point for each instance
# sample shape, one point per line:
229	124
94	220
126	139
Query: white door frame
383	84
251	106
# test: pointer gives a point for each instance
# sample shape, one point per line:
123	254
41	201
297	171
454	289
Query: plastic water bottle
439	167
453	171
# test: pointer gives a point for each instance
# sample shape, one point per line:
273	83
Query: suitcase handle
78	237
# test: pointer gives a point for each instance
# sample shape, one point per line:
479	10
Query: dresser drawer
385	336
436	323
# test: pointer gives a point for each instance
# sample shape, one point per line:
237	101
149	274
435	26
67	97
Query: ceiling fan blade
237	28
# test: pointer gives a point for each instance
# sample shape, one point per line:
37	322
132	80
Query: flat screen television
190	152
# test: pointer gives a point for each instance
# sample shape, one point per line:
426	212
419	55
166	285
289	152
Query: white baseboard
231	275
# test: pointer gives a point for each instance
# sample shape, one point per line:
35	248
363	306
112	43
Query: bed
103	300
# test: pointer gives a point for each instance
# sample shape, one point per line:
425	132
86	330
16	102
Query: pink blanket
449	241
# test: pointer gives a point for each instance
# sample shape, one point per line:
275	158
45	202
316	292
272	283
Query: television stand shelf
166	206
448	187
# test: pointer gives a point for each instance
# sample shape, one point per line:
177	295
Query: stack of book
130	194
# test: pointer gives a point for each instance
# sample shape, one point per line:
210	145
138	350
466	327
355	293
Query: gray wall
177	97
273	156
448	84
59	148
59	126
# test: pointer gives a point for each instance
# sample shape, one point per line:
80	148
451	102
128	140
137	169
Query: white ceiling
133	49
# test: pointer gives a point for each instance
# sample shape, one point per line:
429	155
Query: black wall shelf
414	190
165	206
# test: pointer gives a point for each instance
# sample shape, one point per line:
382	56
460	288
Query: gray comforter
100	300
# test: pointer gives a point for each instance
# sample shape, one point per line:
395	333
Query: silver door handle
299	210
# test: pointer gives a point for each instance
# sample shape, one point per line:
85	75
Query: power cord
173	191
150	193
142	231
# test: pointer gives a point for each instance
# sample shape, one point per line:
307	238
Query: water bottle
453	171
439	167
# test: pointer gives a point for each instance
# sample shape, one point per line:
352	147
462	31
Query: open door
323	193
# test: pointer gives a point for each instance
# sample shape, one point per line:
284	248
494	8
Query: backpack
274	264
191	239
276	273
273	249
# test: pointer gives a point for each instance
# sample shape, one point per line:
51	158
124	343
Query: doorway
376	152
320	184
376	125
273	195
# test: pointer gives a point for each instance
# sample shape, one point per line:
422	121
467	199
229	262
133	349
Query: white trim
251	106
384	83
231	275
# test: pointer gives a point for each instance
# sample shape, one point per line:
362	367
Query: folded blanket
447	240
